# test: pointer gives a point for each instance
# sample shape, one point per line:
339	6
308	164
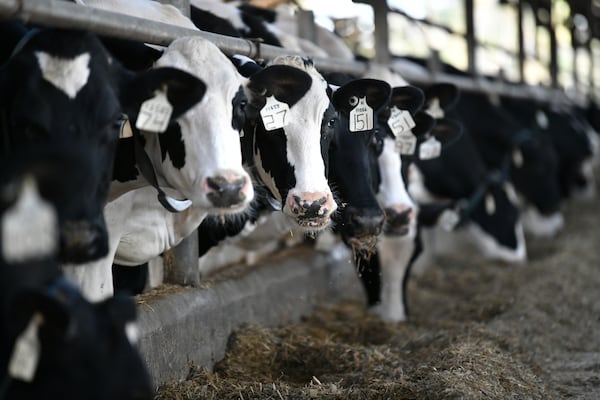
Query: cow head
61	88
199	155
290	159
84	348
352	163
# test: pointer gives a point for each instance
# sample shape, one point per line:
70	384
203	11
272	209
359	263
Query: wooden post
181	262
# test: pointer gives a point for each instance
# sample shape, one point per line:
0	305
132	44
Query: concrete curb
193	326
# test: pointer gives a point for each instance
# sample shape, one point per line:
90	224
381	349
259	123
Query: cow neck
466	206
147	170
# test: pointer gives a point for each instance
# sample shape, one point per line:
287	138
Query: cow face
62	89
86	350
353	166
200	154
289	160
392	192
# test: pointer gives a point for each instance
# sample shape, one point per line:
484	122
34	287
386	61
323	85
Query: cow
197	158
484	211
62	87
54	343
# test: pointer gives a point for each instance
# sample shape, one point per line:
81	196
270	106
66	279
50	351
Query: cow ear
408	98
376	92
55	317
446	93
182	89
424	123
245	65
287	84
447	131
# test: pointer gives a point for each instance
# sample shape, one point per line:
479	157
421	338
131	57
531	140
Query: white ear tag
406	143
517	158
431	148
274	114
361	117
541	119
26	352
400	121
434	109
490	204
125	129
448	220
29	227
155	114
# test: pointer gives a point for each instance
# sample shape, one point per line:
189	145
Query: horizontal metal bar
59	13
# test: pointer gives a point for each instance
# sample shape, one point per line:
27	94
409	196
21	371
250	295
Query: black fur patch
171	142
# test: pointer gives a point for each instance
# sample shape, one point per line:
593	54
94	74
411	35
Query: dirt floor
479	330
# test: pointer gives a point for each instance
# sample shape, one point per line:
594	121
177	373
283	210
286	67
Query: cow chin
314	224
363	244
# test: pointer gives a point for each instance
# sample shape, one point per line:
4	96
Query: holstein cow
483	204
197	158
522	153
62	87
53	343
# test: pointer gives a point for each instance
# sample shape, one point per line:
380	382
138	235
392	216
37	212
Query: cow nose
397	220
311	205
365	221
226	191
81	241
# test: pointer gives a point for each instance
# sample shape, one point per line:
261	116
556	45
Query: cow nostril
217	184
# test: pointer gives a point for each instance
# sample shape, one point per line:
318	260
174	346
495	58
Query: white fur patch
540	225
68	75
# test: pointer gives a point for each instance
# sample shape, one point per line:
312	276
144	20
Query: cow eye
331	123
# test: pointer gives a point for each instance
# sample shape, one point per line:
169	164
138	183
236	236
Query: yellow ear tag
154	114
361	117
274	114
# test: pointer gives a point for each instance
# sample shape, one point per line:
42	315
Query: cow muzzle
228	191
82	241
398	220
310	210
361	227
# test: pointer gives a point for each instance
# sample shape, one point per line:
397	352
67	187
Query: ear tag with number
431	148
26	352
400	121
125	129
434	109
490	204
406	143
448	220
517	158
29	227
361	117
154	114
274	114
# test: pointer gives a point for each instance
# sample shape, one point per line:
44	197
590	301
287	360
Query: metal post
382	48
521	42
181	262
305	20
471	39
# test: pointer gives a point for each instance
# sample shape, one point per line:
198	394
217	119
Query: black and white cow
53	343
483	200
524	153
197	158
62	87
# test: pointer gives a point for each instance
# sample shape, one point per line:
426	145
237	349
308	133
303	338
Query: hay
481	330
